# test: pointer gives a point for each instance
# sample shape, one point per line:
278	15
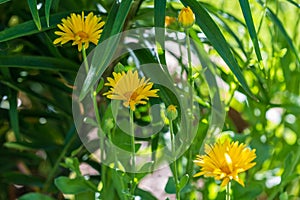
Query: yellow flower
186	17
169	20
130	89
224	161
80	30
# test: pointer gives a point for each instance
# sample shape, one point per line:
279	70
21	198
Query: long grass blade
35	13
294	3
29	28
38	62
4	1
159	21
48	4
251	28
13	106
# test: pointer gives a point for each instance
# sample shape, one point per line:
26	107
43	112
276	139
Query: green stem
85	61
175	163
97	115
228	186
189	167
132	153
188	43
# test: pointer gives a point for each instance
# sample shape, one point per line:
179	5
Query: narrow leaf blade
250	25
38	62
48	4
34	12
29	28
4	1
35	196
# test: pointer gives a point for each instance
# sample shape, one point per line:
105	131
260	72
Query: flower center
131	96
227	166
81	35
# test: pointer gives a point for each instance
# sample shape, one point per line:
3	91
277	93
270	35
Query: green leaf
144	194
22	179
18	146
250	25
159	13
48	4
29	27
13	106
279	24
35	13
115	19
38	62
25	146
217	40
294	3
13	112
284	196
288	167
226	26
183	181
85	196
159	21
35	196
100	85
4	1
170	186
119	182
251	191
73	186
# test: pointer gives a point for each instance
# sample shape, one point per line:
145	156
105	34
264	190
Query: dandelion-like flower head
130	89
80	30
224	161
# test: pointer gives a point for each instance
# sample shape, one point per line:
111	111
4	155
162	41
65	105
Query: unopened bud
186	17
172	112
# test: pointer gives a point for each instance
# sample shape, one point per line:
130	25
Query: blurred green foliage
253	44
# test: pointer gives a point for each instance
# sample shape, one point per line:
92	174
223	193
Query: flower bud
172	112
169	20
109	124
186	17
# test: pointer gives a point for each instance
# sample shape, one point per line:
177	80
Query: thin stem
191	91
175	164
97	115
228	186
85	61
132	153
188	43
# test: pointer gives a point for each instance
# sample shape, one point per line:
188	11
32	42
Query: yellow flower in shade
130	89
186	17
169	20
80	30
224	161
